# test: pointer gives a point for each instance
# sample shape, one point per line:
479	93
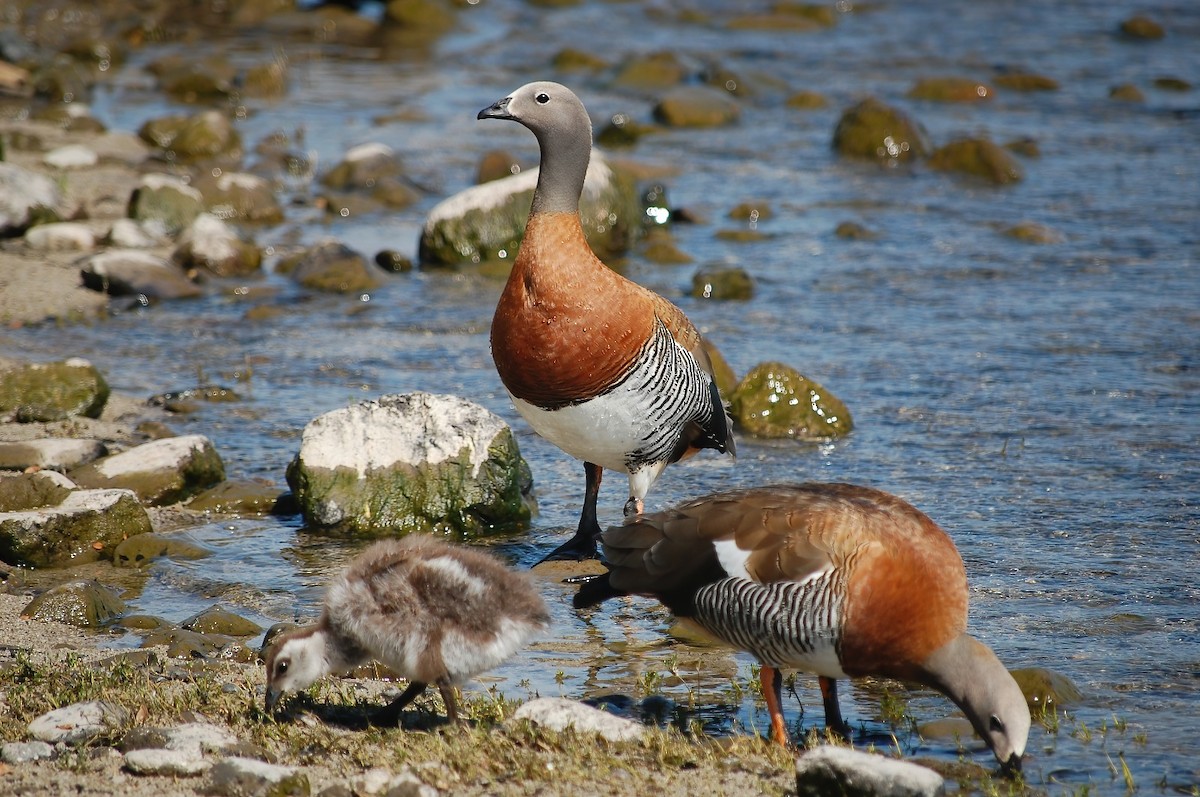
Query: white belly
606	431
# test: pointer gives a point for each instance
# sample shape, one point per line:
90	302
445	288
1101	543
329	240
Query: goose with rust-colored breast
834	579
607	370
433	612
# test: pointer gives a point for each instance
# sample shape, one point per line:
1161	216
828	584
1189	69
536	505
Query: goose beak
497	110
273	696
1011	767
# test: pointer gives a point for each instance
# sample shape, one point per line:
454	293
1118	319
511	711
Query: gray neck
968	672
565	155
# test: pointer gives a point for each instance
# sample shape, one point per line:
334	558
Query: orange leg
772	686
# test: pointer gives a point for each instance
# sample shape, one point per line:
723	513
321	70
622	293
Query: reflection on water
1040	402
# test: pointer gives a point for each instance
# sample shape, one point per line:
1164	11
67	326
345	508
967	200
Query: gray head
564	133
968	672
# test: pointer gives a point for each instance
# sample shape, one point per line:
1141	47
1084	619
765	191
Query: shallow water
1041	402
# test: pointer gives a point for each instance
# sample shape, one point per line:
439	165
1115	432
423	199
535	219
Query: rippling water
1041	402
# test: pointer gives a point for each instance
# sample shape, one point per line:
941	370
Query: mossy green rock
414	462
775	401
950	89
143	549
723	283
697	106
218	620
237	497
977	157
86	604
85	526
166	200
210	134
160	472
1046	688
23	491
485	223
331	267
651	72
878	132
40	392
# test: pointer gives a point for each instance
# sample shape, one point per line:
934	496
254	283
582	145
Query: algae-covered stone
650	72
143	549
1034	233
414	462
237	497
212	245
485	223
238	195
978	157
697	106
1046	688
723	283
21	491
183	644
879	132
218	620
160	472
39	392
86	604
1143	28
332	267
166	201
775	401
210	134
950	89
86	525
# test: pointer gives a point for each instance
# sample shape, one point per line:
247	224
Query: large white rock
840	770
63	236
558	714
159	472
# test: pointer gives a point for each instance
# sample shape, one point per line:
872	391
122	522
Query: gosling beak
1011	767
273	696
497	110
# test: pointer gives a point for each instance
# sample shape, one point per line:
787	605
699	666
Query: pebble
71	156
558	714
128	234
61	236
235	776
175	763
76	723
24	752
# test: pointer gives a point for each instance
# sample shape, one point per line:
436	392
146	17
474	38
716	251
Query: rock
1142	28
950	89
246	777
1026	81
571	59
723	284
413	462
332	267
776	401
191	81
78	722
266	80
237	497
807	100
485	223
697	106
660	248
142	549
169	763
63	236
22	491
212	245
169	202
423	18
978	157
86	604
131	272
789	16
372	170
1169	83
207	135
622	130
194	738
40	392
407	784
1034	233
1045	688
26	198
878	132
184	644
559	714
853	231
216	620
238	195
129	234
393	262
753	211
160	472
1126	92
86	525
496	164
830	770
24	752
56	453
71	156
652	72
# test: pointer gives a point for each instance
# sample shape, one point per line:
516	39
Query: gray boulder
131	272
212	245
86	525
415	462
830	771
166	201
160	472
485	223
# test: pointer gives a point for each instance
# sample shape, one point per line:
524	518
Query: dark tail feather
594	591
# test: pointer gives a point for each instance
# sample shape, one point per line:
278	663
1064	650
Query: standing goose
608	371
834	579
433	612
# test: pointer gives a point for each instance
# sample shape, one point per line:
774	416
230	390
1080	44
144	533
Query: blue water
1041	402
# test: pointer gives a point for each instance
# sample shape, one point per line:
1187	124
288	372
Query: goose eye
282	667
542	98
996	725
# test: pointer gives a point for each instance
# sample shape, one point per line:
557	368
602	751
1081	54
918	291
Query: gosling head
295	661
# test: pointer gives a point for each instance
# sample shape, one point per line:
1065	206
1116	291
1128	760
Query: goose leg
833	712
772	687
583	544
449	699
389	715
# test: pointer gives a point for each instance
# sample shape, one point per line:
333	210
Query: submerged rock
950	89
39	392
160	472
86	525
331	267
1045	688
132	272
86	604
830	770
879	132
485	223
651	72
237	497
775	401
977	157
415	462
723	284
56	453
697	106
